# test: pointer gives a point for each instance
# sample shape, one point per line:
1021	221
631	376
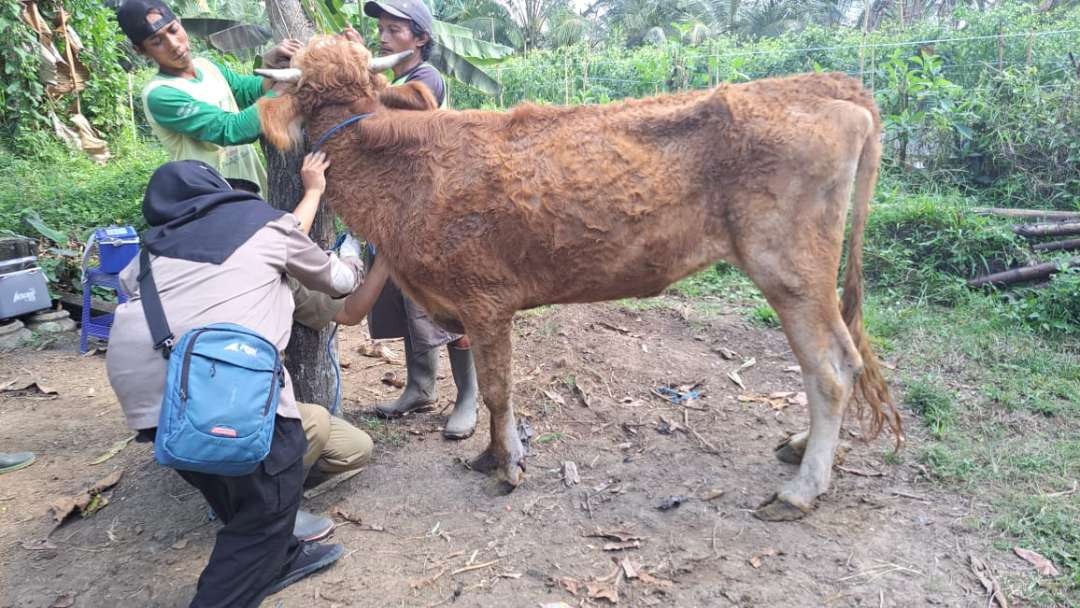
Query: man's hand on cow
313	172
352	35
281	54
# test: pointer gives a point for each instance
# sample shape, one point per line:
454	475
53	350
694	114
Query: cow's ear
409	96
281	121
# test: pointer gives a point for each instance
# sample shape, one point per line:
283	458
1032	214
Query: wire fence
575	76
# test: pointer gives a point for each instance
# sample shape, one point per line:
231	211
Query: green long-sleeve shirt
211	118
178	111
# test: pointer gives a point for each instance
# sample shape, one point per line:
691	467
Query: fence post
566	80
1001	49
862	44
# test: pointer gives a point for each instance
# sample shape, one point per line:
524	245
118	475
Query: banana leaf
450	63
202	27
240	38
460	40
31	218
327	15
461	56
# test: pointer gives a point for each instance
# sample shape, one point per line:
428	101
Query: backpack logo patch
237	347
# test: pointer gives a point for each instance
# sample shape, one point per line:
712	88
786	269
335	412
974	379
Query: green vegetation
980	108
72	193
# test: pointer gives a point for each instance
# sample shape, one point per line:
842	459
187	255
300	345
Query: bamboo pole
1051	229
1066	245
1022	275
1045	214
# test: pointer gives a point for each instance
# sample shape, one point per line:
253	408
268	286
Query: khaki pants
334	445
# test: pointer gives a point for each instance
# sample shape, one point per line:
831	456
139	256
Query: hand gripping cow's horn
381	64
280	75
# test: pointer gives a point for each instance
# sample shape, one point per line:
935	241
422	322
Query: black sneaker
311	558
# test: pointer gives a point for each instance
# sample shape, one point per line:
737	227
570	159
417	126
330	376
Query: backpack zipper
187	364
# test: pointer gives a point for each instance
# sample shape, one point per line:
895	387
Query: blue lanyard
338	127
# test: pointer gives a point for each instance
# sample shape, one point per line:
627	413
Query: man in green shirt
200	110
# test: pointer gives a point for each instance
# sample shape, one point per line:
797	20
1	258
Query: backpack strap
155	314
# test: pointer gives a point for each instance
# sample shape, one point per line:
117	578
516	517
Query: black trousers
256	544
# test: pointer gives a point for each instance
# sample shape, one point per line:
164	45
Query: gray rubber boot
462	421
16	461
419	393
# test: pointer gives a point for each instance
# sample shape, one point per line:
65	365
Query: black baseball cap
132	18
413	10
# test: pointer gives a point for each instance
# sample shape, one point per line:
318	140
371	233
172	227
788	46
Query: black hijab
195	214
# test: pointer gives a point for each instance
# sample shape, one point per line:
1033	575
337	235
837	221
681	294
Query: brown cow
482	214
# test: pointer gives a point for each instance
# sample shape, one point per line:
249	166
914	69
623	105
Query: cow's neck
368	213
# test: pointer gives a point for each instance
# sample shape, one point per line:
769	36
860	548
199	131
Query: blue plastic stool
99	326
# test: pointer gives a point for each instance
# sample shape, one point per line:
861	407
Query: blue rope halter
333	131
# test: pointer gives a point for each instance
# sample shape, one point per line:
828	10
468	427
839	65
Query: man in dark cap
406	25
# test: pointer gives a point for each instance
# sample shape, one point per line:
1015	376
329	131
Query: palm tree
522	24
488	19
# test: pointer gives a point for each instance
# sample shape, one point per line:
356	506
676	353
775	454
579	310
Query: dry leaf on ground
32	387
86	502
758	559
113	451
556	397
1043	565
602	591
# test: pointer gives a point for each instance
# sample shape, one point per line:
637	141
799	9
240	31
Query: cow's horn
381	64
280	75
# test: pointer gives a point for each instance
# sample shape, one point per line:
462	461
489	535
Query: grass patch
722	281
928	398
765	316
380	431
999	401
71	193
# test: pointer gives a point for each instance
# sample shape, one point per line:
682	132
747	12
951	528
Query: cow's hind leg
830	364
505	455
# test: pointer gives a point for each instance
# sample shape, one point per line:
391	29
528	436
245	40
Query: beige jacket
249	289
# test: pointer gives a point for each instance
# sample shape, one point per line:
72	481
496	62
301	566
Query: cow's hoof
778	509
791	450
512	472
485	462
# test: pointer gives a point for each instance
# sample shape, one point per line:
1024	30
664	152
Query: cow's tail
871	391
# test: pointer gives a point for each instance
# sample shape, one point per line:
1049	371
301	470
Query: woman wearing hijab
221	255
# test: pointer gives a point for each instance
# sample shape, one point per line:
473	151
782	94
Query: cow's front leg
505	455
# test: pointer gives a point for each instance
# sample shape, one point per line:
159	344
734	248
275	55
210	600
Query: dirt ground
434	533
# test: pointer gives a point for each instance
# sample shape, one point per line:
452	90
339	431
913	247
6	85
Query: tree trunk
313	372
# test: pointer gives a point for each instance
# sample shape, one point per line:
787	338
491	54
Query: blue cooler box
117	246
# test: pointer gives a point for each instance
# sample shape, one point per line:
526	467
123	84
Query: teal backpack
221	392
